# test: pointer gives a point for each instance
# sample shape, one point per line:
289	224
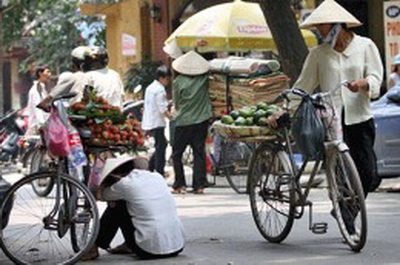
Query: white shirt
37	117
155	105
108	84
326	67
153	211
70	82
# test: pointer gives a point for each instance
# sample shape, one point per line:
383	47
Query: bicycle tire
236	168
41	187
272	193
347	198
30	241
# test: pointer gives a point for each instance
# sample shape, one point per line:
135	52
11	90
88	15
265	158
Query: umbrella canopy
235	26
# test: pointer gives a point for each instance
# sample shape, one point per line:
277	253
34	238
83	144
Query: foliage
48	29
142	73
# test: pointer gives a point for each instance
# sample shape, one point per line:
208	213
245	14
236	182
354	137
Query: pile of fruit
107	123
250	115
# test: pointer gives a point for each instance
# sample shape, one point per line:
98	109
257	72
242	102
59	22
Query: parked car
386	112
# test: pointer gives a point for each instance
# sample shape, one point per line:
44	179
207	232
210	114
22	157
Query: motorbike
12	128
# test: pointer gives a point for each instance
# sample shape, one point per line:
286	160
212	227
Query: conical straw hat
330	12
191	63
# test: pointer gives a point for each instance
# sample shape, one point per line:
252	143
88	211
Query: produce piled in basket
247	121
107	123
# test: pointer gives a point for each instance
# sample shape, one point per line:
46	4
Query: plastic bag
95	174
308	129
56	135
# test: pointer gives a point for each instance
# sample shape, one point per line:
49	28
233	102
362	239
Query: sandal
198	191
121	249
92	254
181	190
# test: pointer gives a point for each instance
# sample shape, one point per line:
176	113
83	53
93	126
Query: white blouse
327	68
155	105
152	209
37	117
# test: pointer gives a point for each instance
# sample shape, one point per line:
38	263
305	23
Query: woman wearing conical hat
342	56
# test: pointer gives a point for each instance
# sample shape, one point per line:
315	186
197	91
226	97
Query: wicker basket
234	131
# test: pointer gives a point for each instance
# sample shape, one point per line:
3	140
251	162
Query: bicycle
233	161
276	196
56	229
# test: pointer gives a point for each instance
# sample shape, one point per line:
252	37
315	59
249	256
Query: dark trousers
360	138
195	137
115	217
157	160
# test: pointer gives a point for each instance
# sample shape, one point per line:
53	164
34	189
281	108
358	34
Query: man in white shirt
155	111
106	82
37	93
143	208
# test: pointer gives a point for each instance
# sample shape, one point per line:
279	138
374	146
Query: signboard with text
128	45
391	17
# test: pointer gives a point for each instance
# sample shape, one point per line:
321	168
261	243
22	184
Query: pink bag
56	135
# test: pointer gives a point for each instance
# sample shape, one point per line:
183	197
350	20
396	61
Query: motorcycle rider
106	82
74	81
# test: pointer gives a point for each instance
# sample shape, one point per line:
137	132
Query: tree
48	29
287	35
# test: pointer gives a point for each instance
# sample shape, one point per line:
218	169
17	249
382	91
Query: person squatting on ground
193	106
142	206
37	93
154	114
345	56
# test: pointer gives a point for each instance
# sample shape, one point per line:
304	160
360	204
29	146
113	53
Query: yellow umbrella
232	26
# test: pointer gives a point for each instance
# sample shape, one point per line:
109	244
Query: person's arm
64	85
114	192
175	95
162	104
371	84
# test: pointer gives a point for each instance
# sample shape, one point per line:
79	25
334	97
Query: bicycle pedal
319	228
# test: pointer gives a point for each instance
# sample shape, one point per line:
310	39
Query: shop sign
392	32
128	45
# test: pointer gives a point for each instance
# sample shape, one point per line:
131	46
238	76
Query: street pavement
220	230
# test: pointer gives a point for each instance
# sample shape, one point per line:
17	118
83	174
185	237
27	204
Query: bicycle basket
308	129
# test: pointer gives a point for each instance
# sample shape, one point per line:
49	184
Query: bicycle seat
85	133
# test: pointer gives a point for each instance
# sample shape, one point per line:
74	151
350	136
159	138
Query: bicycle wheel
235	165
39	163
272	194
347	198
32	235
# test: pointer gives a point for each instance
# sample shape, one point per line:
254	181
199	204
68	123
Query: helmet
397	60
80	57
99	57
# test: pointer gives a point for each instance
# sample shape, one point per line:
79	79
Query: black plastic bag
308	129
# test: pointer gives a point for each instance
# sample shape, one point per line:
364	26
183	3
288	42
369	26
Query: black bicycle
276	196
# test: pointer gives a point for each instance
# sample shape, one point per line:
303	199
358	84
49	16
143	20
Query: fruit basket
235	131
107	124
